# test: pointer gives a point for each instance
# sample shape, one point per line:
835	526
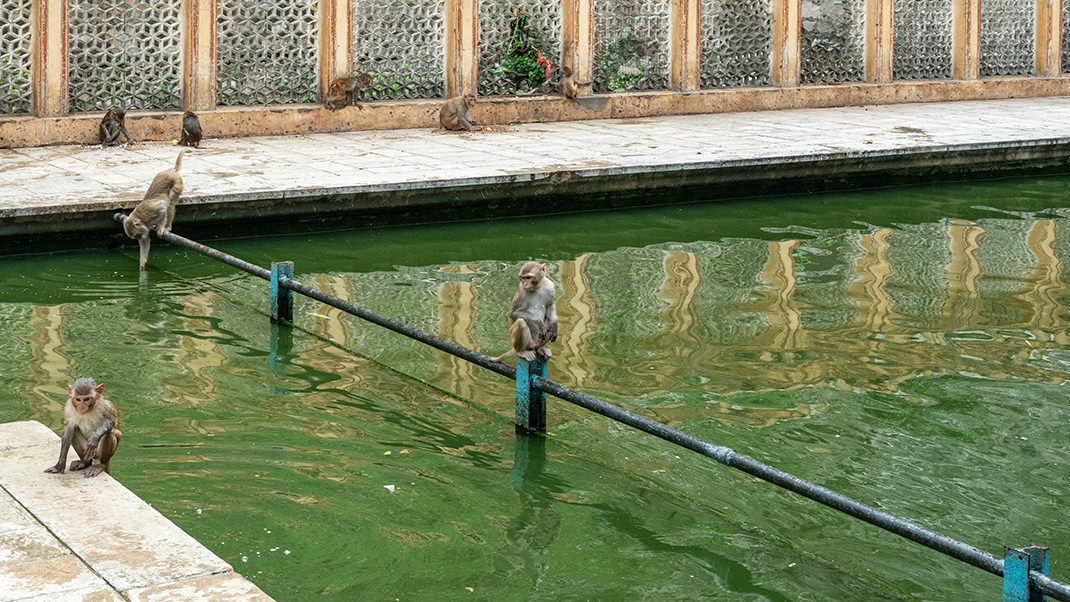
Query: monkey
91	425
454	114
570	88
113	122
156	212
341	90
532	316
191	130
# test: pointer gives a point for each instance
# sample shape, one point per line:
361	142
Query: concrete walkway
65	538
80	180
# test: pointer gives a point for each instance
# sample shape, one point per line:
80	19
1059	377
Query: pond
908	348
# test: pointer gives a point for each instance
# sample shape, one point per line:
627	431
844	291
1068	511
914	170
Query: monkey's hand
57	469
91	449
551	332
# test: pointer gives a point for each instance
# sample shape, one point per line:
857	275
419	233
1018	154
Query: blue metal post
282	299
1016	567
530	402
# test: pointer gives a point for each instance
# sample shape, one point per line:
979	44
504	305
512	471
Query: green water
908	348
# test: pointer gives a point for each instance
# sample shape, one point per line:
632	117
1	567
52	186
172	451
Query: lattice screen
833	41
498	73
923	40
125	51
400	43
631	44
737	41
15	56
1008	34
267	52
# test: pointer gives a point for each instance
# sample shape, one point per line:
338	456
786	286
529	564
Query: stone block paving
52	527
61	179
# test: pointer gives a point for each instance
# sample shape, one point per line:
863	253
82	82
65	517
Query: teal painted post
530	402
1016	567
282	299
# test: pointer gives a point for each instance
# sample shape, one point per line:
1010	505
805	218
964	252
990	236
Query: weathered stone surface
62	188
12	515
147	548
31	543
227	586
47	578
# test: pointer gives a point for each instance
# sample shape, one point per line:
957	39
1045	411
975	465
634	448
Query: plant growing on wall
523	63
624	63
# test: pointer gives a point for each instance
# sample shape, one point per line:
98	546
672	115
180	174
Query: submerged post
1016	567
282	299
530	402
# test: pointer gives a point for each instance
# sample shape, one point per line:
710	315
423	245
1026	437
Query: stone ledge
46	553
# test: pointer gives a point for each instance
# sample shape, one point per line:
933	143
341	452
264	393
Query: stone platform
52	528
352	178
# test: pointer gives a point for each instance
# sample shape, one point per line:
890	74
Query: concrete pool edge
537	191
47	552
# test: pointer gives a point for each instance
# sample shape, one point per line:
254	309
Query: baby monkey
454	114
91	425
113	122
532	316
191	130
156	212
341	90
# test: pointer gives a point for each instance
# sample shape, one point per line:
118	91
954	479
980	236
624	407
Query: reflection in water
785	319
963	275
575	300
51	368
457	310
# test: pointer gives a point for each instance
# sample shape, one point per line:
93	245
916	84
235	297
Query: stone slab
227	586
38	534
48	578
61	180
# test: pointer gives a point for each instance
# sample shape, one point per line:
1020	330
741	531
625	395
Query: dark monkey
113	122
191	130
341	90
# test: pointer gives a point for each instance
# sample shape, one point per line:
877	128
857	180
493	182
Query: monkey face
527	280
83	403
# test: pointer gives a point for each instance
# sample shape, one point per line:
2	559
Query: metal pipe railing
725	455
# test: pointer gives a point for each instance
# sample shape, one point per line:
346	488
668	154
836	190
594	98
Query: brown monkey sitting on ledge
533	316
91	425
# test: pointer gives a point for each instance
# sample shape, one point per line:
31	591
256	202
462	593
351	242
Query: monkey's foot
93	471
526	355
79	465
544	352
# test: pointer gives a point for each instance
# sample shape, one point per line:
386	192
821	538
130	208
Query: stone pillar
966	32
1049	38
50	52
336	41
787	37
686	49
462	47
577	48
880	30
199	55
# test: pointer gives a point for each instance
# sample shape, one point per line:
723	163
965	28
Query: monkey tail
503	356
178	161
